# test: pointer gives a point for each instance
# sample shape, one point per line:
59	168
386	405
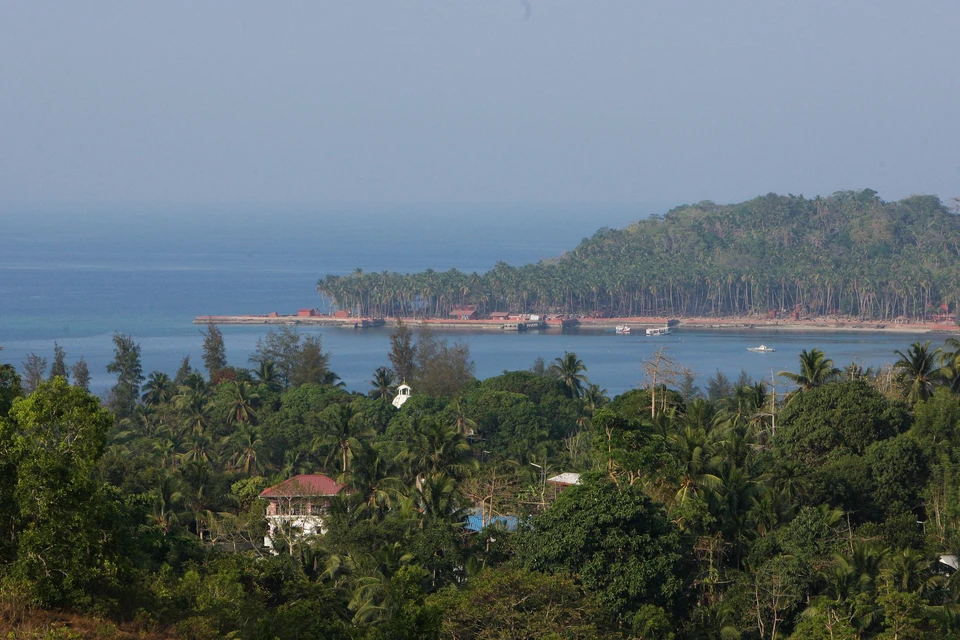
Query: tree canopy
849	253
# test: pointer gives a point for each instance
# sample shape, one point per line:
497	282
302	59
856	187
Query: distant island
849	257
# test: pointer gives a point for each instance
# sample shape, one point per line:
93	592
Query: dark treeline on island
265	502
850	254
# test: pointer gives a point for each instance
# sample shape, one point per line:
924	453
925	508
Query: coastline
742	323
752	323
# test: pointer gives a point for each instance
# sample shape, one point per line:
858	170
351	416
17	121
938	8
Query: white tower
403	394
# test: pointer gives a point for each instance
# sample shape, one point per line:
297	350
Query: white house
296	506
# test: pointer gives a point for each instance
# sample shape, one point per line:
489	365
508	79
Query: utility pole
773	404
543	483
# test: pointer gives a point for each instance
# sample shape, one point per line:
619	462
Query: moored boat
658	331
623	328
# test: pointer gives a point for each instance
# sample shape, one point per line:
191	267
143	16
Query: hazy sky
475	101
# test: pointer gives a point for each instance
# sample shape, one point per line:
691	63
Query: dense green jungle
717	513
848	254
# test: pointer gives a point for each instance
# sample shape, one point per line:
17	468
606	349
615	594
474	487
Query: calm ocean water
77	278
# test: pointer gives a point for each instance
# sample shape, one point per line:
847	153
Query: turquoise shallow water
77	279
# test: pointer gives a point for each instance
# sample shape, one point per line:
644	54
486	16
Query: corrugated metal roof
565	478
308	484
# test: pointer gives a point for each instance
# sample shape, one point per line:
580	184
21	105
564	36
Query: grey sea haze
77	278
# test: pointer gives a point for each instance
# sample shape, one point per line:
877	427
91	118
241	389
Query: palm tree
344	428
195	411
266	373
950	363
240	403
570	370
167	497
910	571
383	384
199	448
815	370
294	463
461	419
245	443
733	498
159	389
693	450
195	382
594	398
374	486
436	498
917	371
432	448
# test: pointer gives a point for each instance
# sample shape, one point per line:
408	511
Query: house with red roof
296	506
468	312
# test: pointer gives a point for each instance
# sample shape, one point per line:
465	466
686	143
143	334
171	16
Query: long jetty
350	322
314	318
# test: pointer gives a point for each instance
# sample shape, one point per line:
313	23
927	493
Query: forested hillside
850	253
718	513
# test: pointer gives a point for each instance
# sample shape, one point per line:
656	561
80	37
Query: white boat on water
623	328
761	349
658	331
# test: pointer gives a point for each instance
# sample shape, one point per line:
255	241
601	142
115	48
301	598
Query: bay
78	277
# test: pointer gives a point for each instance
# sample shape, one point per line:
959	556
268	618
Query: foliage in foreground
697	516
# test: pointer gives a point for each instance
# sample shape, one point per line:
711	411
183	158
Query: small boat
761	349
623	328
658	331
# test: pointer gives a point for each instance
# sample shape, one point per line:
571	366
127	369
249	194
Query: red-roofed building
465	313
295	507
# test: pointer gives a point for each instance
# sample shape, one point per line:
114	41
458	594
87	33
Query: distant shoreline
751	323
728	323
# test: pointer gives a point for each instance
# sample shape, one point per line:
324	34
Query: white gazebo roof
403	394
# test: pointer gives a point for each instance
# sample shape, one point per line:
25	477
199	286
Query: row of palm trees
917	371
843	255
664	287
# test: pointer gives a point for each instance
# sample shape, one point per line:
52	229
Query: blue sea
76	277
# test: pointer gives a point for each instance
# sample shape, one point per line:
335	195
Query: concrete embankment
735	324
368	323
279	320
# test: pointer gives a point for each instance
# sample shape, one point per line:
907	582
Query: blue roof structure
475	522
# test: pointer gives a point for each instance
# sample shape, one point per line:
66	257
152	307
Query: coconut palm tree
815	370
570	370
594	398
917	371
240	403
195	411
199	448
383	384
294	463
159	389
433	448
343	431
435	497
461	419
245	444
266	373
911	571
693	450
167	497
950	363
375	487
